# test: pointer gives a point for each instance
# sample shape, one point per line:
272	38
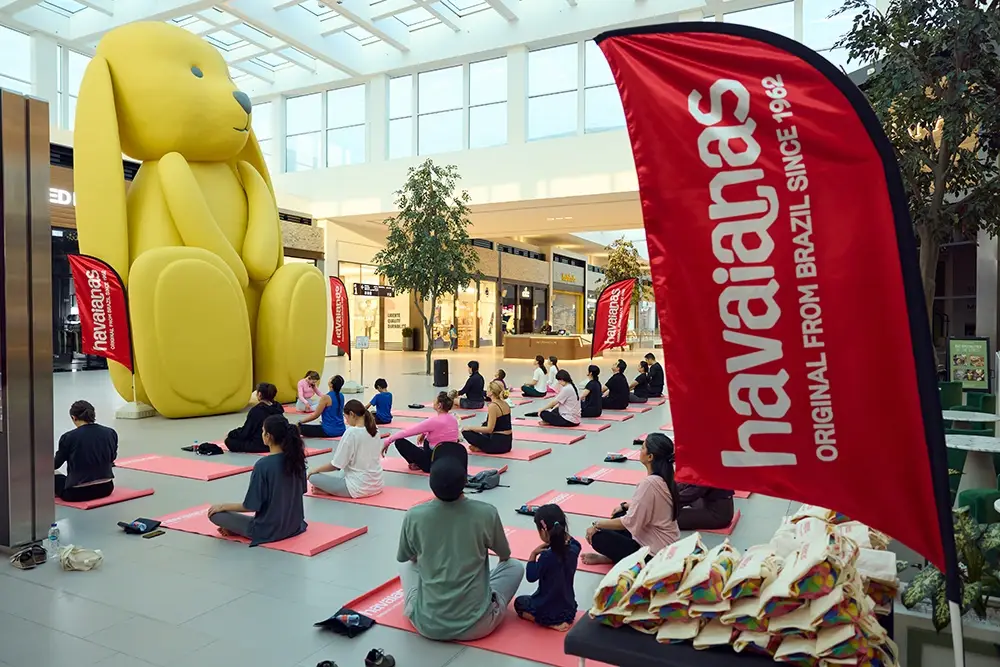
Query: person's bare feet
473	448
226	533
562	627
595	559
414	466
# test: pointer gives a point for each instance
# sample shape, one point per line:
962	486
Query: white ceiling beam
389	30
106	7
284	4
388	8
299	58
243	53
15	6
267	44
42	20
87	26
221	20
571	3
340	51
445	16
255	70
504	8
333	24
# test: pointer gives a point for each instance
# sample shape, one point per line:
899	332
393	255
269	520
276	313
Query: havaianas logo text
97	281
740	219
614	309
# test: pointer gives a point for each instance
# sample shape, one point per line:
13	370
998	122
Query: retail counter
529	346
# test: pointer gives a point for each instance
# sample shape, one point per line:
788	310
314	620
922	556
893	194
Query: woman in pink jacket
442	427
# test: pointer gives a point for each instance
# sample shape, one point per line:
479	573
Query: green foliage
936	94
624	262
427	250
407	332
979	569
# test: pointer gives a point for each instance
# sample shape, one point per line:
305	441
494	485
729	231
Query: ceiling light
568	217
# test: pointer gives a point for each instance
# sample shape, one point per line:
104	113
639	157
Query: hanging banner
611	316
103	306
341	315
776	221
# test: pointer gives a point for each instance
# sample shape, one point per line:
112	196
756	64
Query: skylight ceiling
280	46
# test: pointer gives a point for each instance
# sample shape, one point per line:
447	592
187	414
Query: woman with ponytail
565	409
495	436
650	518
274	497
553	565
356	468
330	412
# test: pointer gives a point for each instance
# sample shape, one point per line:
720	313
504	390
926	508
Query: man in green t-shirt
444	544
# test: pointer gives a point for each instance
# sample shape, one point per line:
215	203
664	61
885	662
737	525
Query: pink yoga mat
549	438
318	536
290	409
524	540
515	454
630	476
392	497
206	471
393	464
536	423
613	417
656	401
514	637
310	451
522	401
119	495
425	414
575	503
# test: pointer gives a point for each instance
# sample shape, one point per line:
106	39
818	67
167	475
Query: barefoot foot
595	559
473	448
562	627
414	466
226	533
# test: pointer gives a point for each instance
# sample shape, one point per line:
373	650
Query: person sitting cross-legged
495	436
248	437
356	468
450	594
565	409
473	393
442	427
89	452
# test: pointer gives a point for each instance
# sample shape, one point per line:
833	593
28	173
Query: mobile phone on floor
155	533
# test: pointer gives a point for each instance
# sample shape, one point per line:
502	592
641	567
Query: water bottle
52	544
350	620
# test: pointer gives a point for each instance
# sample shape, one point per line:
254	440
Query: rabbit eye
197	71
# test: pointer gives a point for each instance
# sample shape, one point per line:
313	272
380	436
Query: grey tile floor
190	601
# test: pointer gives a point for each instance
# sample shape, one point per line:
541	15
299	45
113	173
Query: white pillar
986	288
377	118
45	73
517	95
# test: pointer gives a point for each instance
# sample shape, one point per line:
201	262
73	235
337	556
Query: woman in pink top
442	427
308	394
650	518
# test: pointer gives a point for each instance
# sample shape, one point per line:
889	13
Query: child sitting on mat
308	392
382	402
553	565
248	438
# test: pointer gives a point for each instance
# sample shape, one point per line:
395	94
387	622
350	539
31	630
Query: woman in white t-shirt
536	387
565	410
552	381
356	468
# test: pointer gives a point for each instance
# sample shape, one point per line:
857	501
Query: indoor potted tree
407	339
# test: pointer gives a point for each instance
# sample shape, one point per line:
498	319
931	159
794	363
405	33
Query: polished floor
183	600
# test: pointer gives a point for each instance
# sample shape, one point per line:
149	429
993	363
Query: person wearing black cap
450	594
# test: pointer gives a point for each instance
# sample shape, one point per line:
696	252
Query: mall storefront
376	309
568	283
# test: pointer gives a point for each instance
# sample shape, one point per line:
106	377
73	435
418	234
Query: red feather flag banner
340	309
611	316
103	307
776	218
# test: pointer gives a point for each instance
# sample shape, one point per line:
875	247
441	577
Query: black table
626	647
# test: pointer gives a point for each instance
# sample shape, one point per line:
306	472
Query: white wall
342	245
592	164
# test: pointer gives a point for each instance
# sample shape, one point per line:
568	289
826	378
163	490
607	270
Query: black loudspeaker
440	372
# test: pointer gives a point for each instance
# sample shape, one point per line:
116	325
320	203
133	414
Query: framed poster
969	363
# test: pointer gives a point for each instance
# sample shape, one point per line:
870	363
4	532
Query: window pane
604	109
776	18
488	81
552	115
596	70
439	132
74	73
15	55
345	146
345	107
71	113
304	152
401	137
439	90
552	70
820	32
16	86
401	96
488	125
262	118
303	114
267	148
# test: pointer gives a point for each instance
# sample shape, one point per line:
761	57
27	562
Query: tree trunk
930	249
429	326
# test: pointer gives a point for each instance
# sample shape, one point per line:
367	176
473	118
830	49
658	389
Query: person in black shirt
640	387
616	392
495	436
590	397
656	377
704	508
248	437
88	451
473	393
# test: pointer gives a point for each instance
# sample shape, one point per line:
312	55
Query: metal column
26	437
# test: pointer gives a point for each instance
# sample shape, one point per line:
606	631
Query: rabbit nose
243	99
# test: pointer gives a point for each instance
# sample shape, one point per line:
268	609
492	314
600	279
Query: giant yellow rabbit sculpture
197	239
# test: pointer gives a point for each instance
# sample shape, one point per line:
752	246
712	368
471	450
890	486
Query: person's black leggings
553	418
636	398
237	445
706	515
489	443
531	391
414	454
382	421
312	431
79	494
469	404
591	413
614	544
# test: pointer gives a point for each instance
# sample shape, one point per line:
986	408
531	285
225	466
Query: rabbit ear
98	175
251	153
